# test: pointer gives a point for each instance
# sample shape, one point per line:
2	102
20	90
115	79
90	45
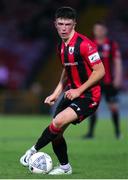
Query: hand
72	94
50	100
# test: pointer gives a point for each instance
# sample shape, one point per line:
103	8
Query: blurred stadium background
29	67
29	71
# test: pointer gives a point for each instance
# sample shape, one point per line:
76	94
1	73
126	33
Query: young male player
111	83
82	71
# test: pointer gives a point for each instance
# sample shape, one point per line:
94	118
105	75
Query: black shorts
83	107
110	93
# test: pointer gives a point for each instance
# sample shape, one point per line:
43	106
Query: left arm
117	72
117	65
97	74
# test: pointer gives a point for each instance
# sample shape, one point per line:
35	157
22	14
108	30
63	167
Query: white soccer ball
40	162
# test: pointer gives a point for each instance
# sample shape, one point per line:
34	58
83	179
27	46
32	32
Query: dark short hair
66	13
100	23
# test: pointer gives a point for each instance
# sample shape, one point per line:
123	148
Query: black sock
92	123
60	148
47	136
115	118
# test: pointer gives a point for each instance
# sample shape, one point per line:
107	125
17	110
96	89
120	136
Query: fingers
46	100
68	95
49	101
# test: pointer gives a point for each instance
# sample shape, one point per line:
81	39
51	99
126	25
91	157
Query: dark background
29	67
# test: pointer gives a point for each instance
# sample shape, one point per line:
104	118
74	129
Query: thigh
74	111
84	107
65	117
63	104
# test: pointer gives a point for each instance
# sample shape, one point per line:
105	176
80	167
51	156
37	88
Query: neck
100	40
66	41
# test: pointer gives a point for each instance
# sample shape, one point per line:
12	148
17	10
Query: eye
69	24
60	24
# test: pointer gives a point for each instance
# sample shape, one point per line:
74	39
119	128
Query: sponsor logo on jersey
71	49
94	57
71	64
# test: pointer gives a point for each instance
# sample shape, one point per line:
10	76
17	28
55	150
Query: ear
74	24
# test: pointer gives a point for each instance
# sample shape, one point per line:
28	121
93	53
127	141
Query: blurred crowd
26	35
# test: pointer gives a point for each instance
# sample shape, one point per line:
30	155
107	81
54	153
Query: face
99	31
64	27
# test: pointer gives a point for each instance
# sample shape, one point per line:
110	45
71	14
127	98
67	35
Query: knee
113	108
58	123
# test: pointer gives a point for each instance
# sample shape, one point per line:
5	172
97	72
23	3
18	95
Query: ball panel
40	163
35	170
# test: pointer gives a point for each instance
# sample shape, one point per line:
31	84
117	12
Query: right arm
59	88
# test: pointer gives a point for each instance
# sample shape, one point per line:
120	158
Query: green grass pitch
103	157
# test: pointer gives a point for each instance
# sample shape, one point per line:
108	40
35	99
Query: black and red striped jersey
78	58
108	51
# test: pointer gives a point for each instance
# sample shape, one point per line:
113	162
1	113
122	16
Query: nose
63	27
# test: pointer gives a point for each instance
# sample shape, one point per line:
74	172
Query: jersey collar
72	39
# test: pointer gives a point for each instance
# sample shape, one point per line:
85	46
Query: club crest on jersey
71	50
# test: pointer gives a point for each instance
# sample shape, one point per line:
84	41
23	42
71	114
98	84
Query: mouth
64	34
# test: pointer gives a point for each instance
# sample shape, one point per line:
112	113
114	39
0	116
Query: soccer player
82	71
111	83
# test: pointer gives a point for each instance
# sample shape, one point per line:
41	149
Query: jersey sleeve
115	51
90	53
